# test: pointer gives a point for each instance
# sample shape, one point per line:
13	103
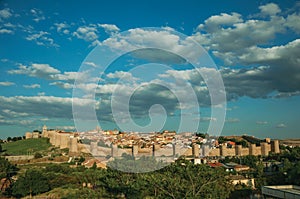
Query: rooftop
282	191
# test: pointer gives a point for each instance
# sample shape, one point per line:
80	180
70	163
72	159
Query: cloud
61	79
286	94
66	76
158	56
90	64
214	22
207	119
232	120
62	85
87	33
270	9
90	32
10	117
7	83
34	106
261	122
125	76
283	61
25	123
293	22
5	13
42	38
143	95
227	35
232	41
41	94
9	113
109	28
4	60
251	82
262	65
37	14
62	28
155	39
66	128
32	86
9	25
255	82
195	78
44	71
272	54
160	91
7	28
281	125
141	99
6	31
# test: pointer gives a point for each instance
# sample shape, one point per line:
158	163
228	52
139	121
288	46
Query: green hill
25	147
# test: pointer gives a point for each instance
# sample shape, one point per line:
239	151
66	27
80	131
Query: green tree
250	160
38	155
241	191
94	167
33	182
294	174
186	180
202	135
260	178
81	160
243	143
59	168
293	154
222	139
121	184
7	171
128	164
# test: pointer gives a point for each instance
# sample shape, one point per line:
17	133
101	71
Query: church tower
45	131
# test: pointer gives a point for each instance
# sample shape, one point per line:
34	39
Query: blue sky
46	45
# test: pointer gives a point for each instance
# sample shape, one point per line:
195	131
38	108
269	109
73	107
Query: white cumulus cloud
7	83
32	86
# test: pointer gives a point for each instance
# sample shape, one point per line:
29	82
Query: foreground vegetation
178	180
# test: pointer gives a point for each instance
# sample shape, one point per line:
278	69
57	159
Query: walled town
166	144
53	163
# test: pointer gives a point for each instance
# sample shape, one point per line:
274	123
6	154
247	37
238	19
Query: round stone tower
238	150
264	149
275	146
135	150
195	150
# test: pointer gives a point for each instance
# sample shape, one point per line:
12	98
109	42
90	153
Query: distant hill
252	139
290	142
25	147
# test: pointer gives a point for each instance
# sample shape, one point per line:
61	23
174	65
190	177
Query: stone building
29	135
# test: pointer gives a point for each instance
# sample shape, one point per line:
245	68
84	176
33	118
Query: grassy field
26	147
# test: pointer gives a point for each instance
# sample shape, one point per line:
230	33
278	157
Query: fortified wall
70	140
264	149
196	151
58	139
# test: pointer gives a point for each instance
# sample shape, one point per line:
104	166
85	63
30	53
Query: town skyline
255	49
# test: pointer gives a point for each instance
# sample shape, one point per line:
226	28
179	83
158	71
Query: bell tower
45	131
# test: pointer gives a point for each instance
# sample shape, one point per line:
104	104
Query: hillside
25	147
